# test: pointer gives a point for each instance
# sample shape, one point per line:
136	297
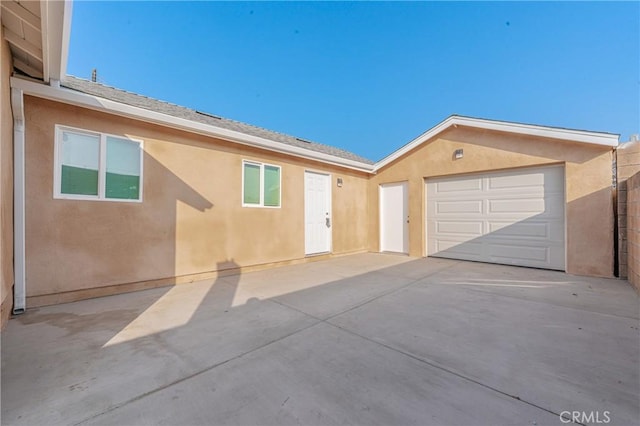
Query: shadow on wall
592	235
93	250
157	239
142	245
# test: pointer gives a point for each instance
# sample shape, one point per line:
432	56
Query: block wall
633	230
628	164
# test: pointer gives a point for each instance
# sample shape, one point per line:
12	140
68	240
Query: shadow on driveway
361	339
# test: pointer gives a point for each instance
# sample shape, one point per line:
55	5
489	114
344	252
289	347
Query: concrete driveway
362	339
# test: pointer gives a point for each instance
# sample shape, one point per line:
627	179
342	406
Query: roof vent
206	114
303	140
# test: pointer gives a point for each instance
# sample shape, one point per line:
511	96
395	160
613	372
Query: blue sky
369	77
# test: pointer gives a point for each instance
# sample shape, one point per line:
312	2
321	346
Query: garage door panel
456	207
465	228
516	218
549	207
474	184
451	247
519	230
528	180
517	205
503	252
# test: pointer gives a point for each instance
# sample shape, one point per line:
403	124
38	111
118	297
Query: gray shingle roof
133	99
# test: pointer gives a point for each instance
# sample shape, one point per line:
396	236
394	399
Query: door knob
328	223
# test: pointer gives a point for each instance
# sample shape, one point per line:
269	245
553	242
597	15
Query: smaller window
96	166
260	185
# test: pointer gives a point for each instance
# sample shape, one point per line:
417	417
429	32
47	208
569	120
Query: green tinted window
80	160
123	169
251	184
91	165
271	186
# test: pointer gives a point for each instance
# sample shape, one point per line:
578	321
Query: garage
513	217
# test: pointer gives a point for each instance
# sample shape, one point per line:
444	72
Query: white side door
317	213
394	217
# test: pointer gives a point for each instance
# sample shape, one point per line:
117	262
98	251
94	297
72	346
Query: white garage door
513	217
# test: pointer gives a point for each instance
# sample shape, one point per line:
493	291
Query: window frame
262	166
102	166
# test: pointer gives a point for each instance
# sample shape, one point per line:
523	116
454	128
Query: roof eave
56	33
96	103
569	135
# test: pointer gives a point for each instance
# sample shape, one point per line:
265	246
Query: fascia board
44	33
100	104
56	32
583	136
66	37
570	135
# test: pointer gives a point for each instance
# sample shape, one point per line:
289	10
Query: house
116	192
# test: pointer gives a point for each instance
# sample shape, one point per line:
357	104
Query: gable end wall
588	192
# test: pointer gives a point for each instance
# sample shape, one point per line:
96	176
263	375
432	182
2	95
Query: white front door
394	217
514	217
317	213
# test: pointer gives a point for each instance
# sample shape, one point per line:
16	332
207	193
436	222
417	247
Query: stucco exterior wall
633	230
627	164
6	184
589	205
190	224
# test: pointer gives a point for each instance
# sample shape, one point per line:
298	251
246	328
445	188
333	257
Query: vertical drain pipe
19	287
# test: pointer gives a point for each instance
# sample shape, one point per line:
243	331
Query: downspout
19	287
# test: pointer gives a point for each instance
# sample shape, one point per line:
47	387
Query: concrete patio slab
61	363
291	279
607	296
361	339
326	376
341	295
517	336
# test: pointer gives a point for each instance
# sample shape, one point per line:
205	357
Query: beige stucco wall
589	206
628	164
190	223
6	184
633	230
